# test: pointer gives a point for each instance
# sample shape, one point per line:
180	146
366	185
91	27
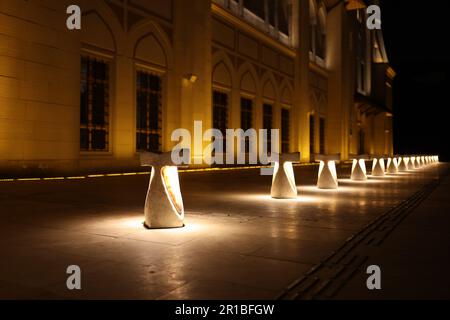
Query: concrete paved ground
415	258
237	243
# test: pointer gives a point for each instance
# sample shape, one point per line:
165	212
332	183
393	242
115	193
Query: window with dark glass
285	127
317	26
255	6
361	54
284	13
94	104
272	7
246	118
322	135
148	112
276	13
361	146
312	139
320	44
220	113
267	124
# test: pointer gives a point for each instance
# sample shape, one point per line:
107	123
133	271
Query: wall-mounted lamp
191	78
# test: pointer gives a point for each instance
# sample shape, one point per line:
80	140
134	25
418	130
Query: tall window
312	139
267	124
220	113
361	53
246	118
256	6
148	112
361	147
276	13
285	127
317	25
94	104
322	135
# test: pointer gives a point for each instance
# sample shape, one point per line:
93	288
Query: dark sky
417	39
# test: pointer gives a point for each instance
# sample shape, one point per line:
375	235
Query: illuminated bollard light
327	177
427	160
378	167
392	166
403	164
418	164
415	162
410	164
422	161
283	180
164	203
359	172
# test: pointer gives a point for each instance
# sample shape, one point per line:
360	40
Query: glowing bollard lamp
327	177
378	167
359	172
412	163
163	204
403	164
283	180
422	161
392	166
417	162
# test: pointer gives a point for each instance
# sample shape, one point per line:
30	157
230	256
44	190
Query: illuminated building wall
90	100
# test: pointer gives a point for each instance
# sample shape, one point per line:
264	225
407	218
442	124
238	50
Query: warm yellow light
172	186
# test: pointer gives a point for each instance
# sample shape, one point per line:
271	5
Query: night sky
417	41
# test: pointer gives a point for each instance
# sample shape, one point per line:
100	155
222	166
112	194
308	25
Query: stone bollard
283	180
327	176
164	203
359	172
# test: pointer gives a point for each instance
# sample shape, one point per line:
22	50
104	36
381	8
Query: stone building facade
90	100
